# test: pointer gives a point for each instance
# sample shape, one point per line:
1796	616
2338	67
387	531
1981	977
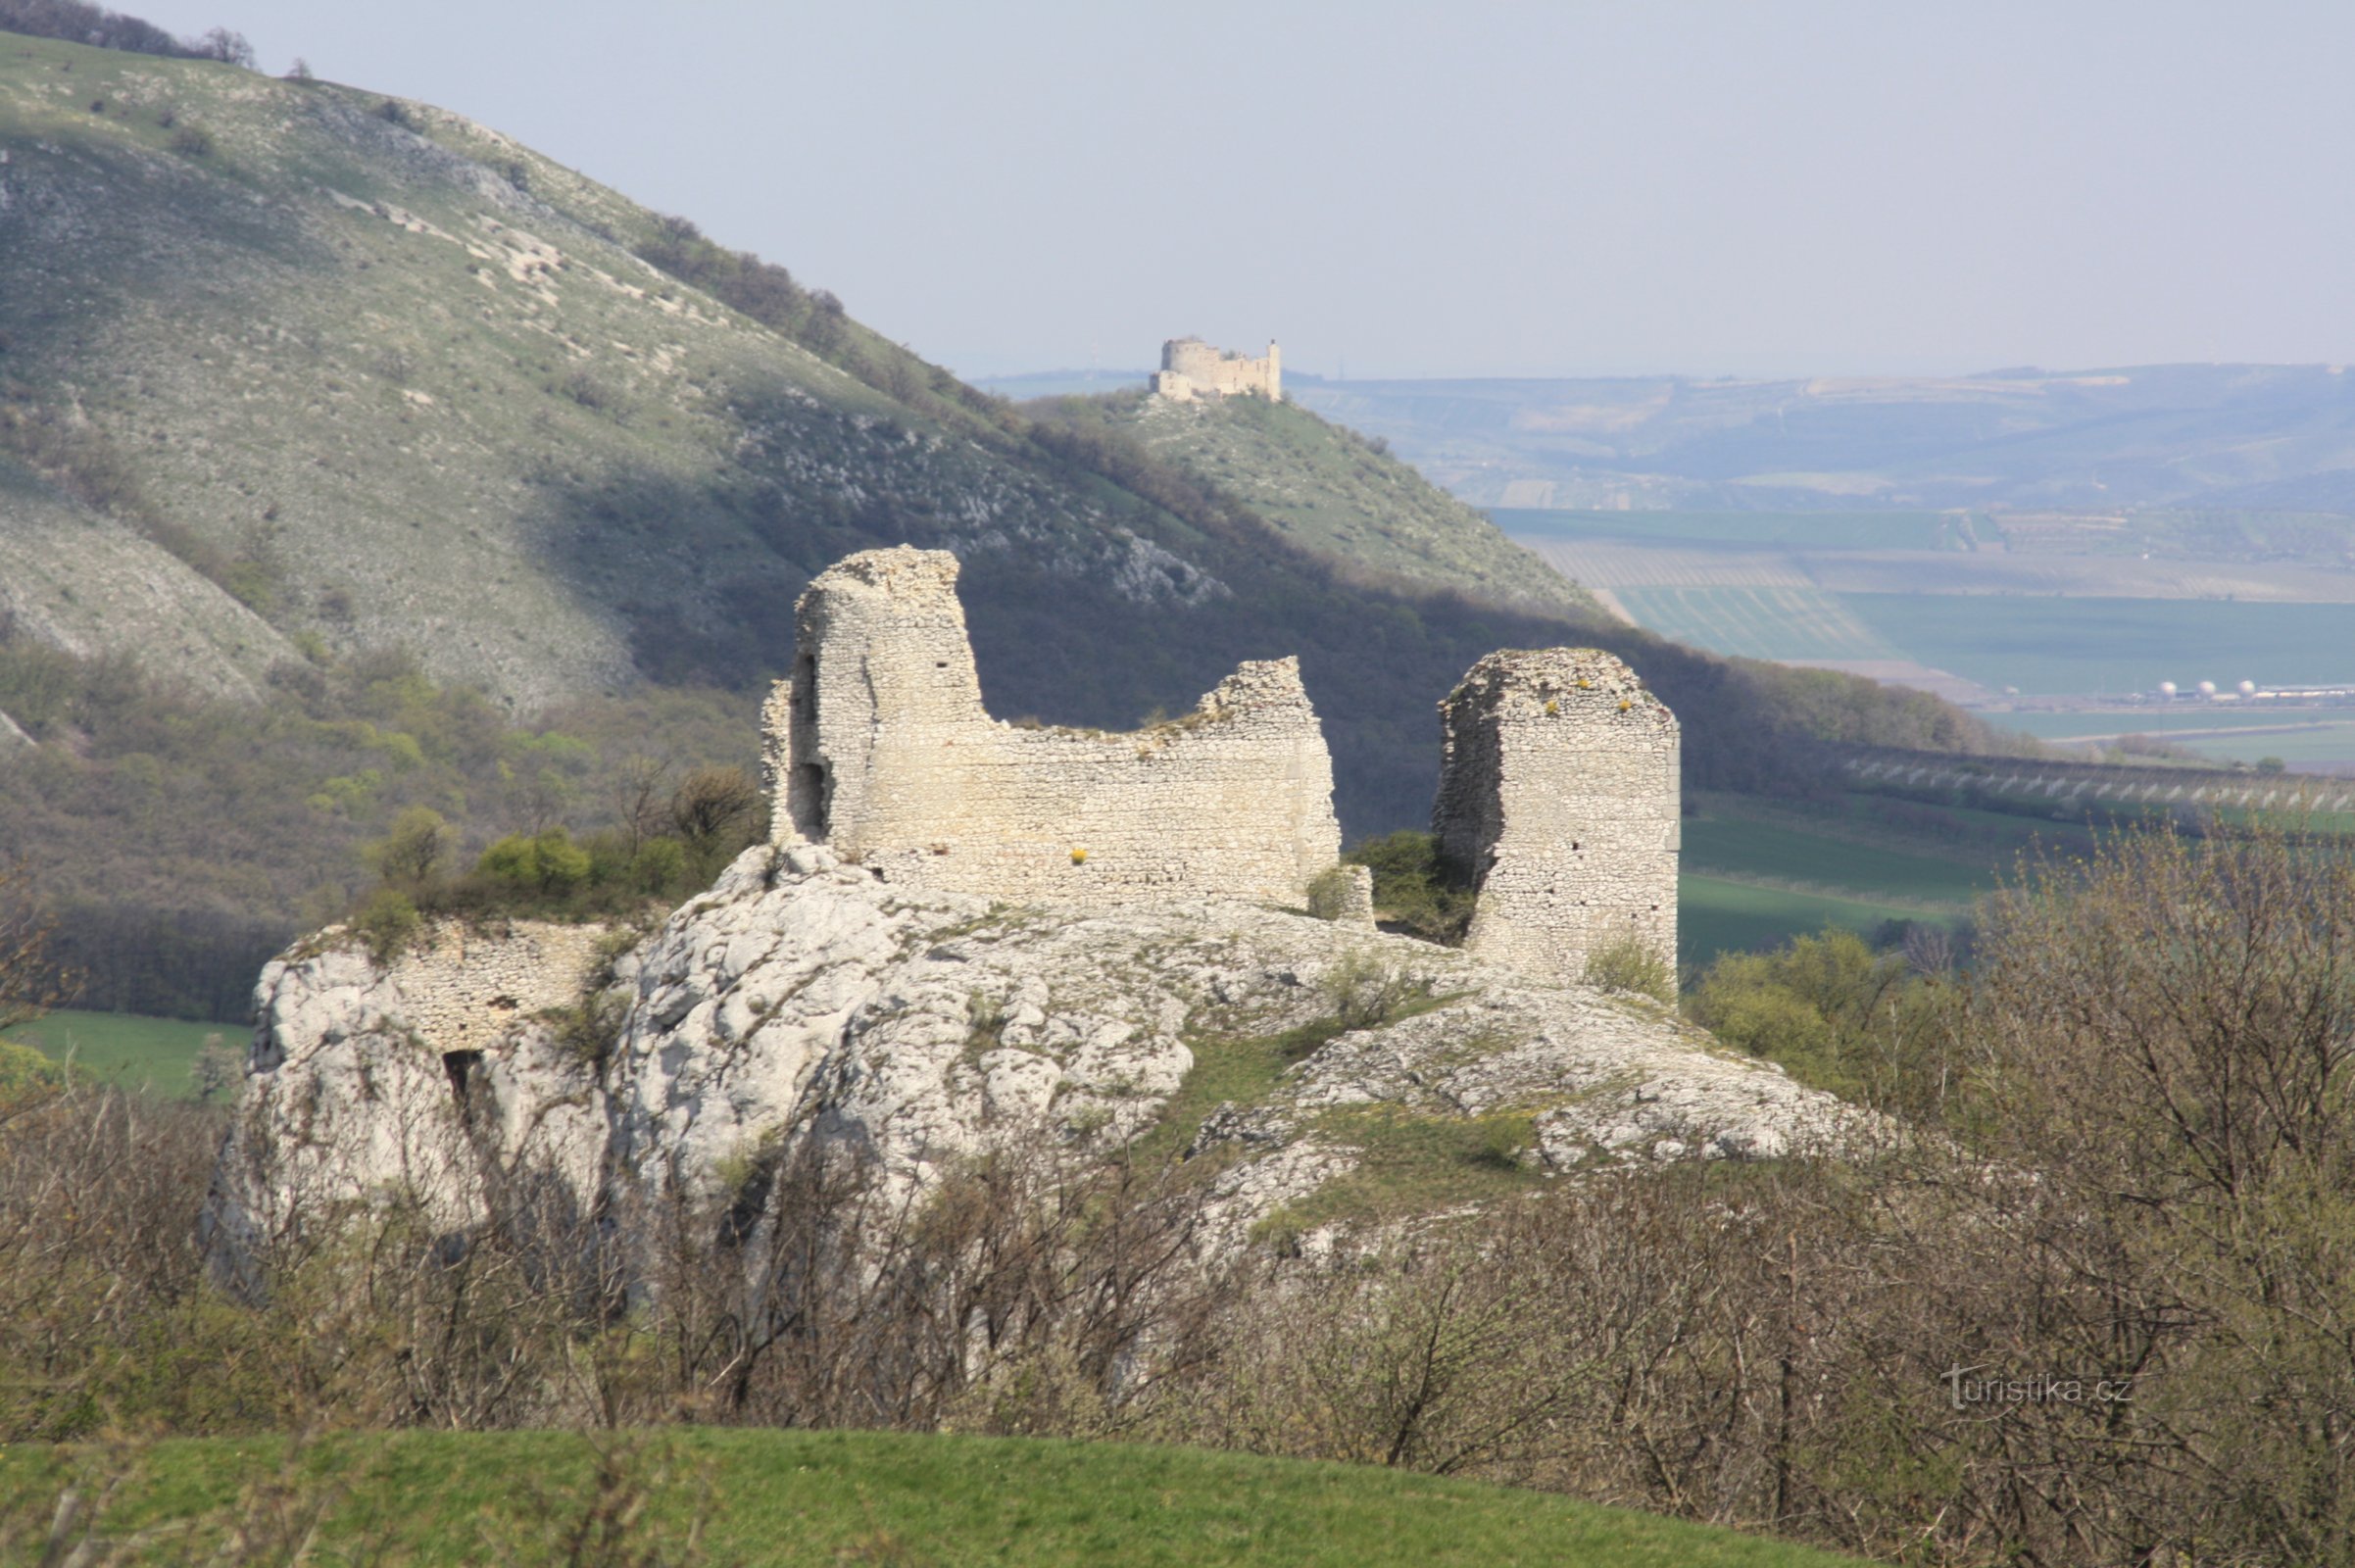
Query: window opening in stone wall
462	1065
806	802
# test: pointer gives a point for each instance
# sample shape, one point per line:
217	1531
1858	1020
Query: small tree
711	807
413	852
230	48
548	864
1631	964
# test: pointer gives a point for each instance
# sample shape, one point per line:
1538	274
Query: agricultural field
765	1497
1718	914
1797	624
2057	646
156	1054
2302	737
1961	603
1783	530
1755	875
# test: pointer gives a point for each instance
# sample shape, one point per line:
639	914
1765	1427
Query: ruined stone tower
879	748
1559	801
1191	368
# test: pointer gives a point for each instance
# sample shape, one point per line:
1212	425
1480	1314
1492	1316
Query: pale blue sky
1770	187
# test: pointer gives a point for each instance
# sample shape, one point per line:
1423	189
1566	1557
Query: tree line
79	21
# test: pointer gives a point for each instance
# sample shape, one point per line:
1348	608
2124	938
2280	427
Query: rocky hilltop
801	999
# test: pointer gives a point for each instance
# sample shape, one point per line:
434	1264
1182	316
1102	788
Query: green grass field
2323	743
2041	645
1759	622
1796	530
2181	720
2296	735
835	1498
1757	875
1716	916
2055	645
1770	849
151	1054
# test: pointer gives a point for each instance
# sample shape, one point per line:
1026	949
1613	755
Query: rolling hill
355	458
1336	494
2216	437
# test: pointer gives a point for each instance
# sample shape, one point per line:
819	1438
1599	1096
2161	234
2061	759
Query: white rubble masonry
1192	370
437	1077
1559	802
879	748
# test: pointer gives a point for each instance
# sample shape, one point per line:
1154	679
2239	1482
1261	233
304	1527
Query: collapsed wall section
879	747
1559	802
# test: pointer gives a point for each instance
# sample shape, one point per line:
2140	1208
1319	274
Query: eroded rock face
437	1077
803	999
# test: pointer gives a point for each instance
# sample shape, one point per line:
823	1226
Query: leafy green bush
25	1071
547	862
1364	991
413	852
1631	964
1331	892
1839	1016
1413	887
388	922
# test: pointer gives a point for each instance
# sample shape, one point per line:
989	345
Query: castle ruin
1192	370
885	754
1557	801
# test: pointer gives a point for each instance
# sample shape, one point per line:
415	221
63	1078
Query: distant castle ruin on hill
1558	801
1192	370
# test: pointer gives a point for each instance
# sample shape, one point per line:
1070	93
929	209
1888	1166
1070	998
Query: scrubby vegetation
178	842
1414	890
2089	1304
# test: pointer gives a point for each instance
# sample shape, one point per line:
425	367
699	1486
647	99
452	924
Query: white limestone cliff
800	997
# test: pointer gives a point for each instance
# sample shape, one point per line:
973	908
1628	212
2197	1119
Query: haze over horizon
1703	189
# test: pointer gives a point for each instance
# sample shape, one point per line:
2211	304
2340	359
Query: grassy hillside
1338	495
759	1498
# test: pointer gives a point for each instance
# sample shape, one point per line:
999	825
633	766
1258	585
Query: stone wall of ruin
1559	799
880	748
464	989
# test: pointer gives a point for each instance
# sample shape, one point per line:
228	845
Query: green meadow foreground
772	1497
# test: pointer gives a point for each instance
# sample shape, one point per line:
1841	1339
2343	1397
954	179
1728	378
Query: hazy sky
1769	186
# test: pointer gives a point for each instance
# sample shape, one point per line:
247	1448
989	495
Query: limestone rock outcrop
803	999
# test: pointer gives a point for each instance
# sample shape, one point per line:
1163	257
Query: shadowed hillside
320	411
